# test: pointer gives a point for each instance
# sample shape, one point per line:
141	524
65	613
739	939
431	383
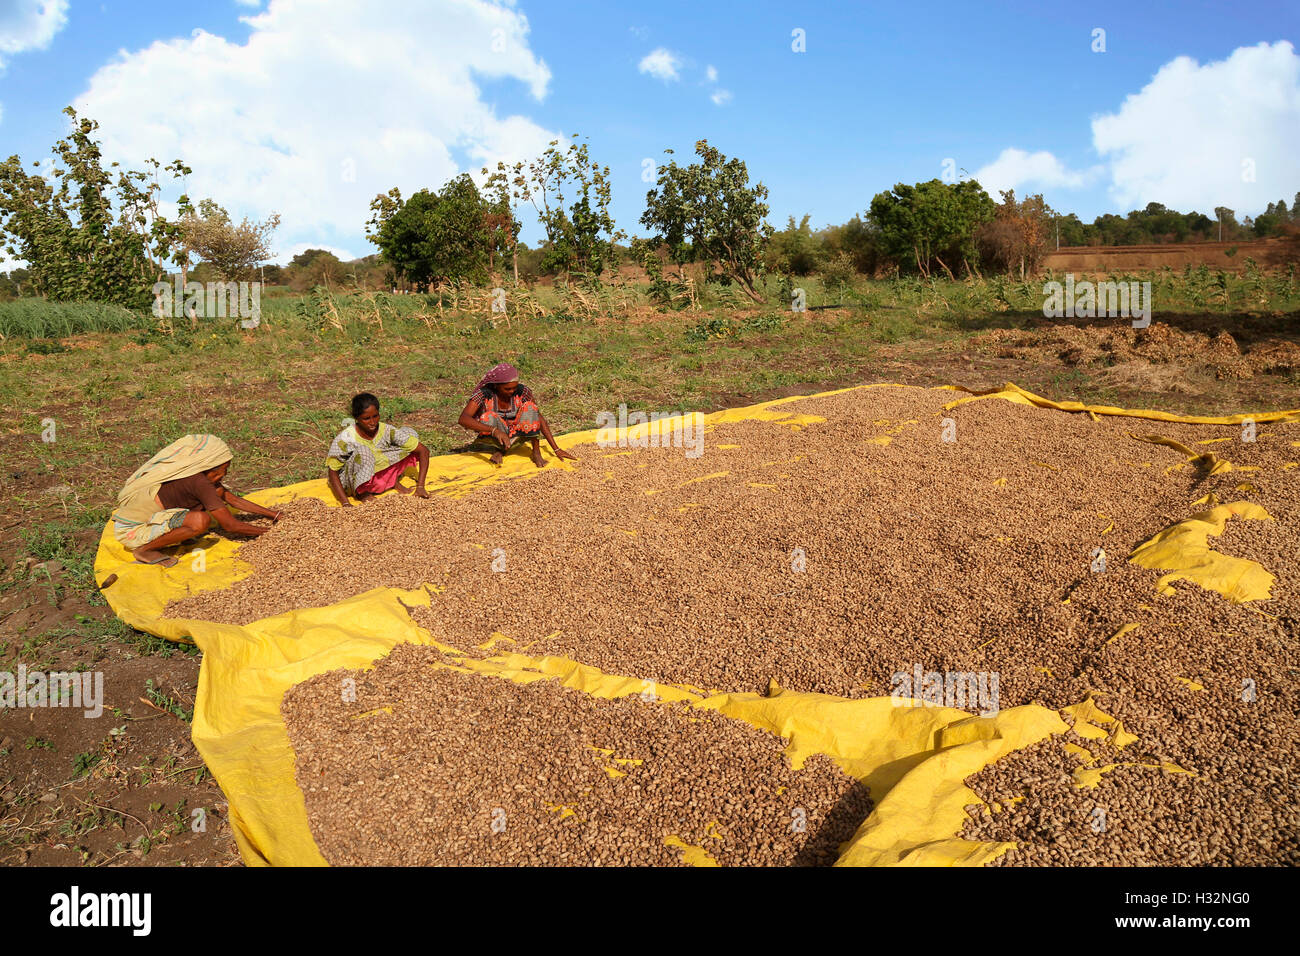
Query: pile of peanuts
836	555
420	765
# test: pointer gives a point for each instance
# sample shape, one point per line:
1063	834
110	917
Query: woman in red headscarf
504	411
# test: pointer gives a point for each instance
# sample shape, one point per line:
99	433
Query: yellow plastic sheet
1014	393
1184	551
914	758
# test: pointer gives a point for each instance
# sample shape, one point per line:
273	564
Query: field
106	390
1231	256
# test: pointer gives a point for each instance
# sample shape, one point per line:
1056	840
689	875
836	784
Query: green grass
166	702
40	319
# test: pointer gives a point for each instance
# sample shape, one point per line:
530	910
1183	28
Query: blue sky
315	107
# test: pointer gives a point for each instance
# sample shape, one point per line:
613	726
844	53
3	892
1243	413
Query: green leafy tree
14	283
931	222
88	232
794	249
570	195
1268	223
499	222
707	212
434	237
313	267
1226	222
859	240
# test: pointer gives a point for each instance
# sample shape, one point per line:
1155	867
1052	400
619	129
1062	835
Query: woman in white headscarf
176	495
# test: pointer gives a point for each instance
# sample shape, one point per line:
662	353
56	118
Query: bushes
720	327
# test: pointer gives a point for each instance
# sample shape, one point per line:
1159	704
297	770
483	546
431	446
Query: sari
140	517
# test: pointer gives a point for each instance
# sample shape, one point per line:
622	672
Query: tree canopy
707	212
84	234
436	237
931	223
232	250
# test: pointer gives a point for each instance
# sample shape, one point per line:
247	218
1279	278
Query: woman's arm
469	419
243	504
233	525
336	486
546	433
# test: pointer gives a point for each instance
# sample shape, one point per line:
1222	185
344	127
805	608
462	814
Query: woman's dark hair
361	402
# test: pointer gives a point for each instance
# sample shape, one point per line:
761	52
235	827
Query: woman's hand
420	492
561	453
503	436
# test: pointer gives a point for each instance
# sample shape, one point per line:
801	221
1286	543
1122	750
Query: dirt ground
1267	253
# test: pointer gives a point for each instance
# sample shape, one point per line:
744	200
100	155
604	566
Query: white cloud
30	25
711	73
1183	139
720	97
1015	169
661	63
323	107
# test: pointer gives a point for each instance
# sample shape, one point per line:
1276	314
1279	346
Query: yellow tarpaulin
914	758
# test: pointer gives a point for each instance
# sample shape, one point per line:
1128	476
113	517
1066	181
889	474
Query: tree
313	267
433	237
1227	219
14	284
859	240
1017	236
707	212
233	250
499	220
580	236
931	222
83	235
1267	223
793	249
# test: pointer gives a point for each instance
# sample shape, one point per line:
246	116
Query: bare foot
365	498
400	490
154	557
538	460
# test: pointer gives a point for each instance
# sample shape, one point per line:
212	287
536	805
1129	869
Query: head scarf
182	458
499	375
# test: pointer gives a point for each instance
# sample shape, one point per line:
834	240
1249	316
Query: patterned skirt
526	425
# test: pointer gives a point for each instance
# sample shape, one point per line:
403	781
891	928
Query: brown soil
1267	253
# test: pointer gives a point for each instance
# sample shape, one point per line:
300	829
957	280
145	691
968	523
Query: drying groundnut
846	555
436	766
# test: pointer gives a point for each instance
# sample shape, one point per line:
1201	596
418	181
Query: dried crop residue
1138	355
435	766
